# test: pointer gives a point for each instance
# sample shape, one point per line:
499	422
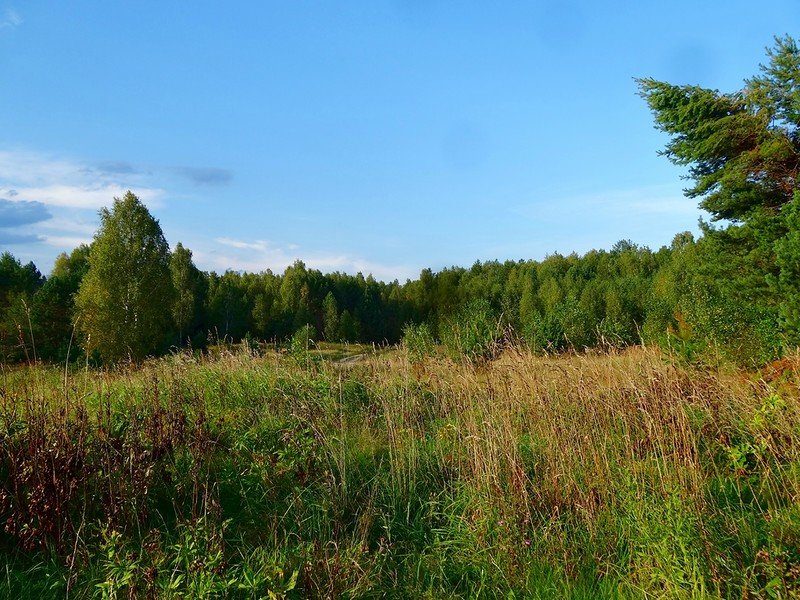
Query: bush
474	333
742	333
302	341
418	342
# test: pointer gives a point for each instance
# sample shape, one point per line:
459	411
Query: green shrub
474	333
418	342
302	342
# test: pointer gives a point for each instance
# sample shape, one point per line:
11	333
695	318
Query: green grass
239	475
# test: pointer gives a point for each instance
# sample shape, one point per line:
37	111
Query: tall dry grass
234	475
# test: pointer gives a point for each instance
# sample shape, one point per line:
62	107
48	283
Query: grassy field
238	475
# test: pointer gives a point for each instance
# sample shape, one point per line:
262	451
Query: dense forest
627	295
732	292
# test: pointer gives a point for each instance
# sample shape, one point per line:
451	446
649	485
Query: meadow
250	473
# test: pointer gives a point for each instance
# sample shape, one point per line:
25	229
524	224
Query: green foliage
330	318
305	337
18	284
191	566
664	542
474	333
188	284
741	147
227	306
602	299
787	281
745	334
349	327
418	342
54	306
743	155
303	343
121	301
252	477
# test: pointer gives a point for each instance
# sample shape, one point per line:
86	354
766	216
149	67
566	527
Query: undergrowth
243	476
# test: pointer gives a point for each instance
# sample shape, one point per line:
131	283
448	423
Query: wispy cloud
83	225
9	18
206	175
30	168
58	182
16	213
83	184
87	195
259	245
259	255
65	241
50	203
583	221
115	167
12	238
646	200
68	231
17	219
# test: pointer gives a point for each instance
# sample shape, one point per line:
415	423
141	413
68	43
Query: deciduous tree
188	283
124	299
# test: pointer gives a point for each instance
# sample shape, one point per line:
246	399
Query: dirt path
348	360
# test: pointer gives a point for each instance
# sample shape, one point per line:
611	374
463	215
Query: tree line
627	295
734	291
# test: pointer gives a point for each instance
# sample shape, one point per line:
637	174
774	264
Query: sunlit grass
241	473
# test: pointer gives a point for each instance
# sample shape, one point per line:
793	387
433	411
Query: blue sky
379	136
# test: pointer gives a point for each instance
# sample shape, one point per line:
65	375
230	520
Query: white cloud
646	200
259	245
29	168
260	255
72	192
72	184
9	18
65	241
648	215
69	224
88	195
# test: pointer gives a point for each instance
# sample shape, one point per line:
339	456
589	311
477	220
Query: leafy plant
418	342
474	333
